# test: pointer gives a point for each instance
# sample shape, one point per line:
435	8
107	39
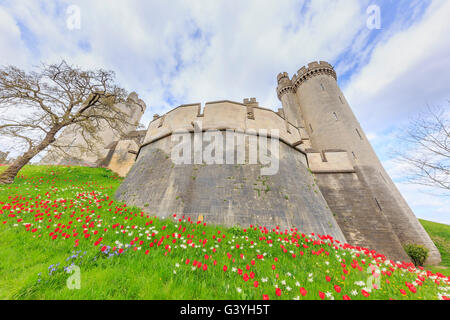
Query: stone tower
314	99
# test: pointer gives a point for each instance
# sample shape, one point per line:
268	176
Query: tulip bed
53	218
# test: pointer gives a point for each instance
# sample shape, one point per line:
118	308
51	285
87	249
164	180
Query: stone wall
122	157
228	194
225	115
362	223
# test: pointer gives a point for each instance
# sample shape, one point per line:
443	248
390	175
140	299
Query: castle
330	181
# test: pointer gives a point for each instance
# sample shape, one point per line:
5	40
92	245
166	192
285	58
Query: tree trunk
11	172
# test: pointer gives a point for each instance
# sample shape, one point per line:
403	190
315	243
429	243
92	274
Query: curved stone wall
225	115
227	194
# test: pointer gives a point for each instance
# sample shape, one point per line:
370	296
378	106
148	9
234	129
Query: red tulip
278	292
303	291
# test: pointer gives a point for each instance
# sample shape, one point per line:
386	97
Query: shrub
418	253
236	230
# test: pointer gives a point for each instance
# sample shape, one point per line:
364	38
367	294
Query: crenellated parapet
287	85
226	115
284	84
314	69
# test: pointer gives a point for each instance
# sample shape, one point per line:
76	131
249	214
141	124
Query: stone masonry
330	181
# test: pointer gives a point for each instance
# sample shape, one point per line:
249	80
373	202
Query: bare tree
36	105
426	149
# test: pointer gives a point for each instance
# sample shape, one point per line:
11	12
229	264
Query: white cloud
405	72
250	44
13	49
173	52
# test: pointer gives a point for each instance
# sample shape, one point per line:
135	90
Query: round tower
332	125
289	101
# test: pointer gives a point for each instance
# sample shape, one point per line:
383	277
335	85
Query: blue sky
176	52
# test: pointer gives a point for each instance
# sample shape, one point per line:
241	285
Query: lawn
440	234
56	221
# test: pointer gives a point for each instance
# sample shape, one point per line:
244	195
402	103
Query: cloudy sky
176	52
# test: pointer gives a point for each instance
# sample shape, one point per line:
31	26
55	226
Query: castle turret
289	101
332	125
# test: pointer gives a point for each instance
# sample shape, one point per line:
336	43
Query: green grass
440	234
36	244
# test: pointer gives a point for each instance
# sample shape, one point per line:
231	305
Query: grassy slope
52	198
440	234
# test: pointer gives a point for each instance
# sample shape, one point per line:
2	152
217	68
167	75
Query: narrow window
340	99
335	116
310	127
323	88
378	204
354	155
359	134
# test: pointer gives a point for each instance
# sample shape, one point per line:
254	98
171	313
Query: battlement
284	84
281	76
314	68
225	115
251	102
